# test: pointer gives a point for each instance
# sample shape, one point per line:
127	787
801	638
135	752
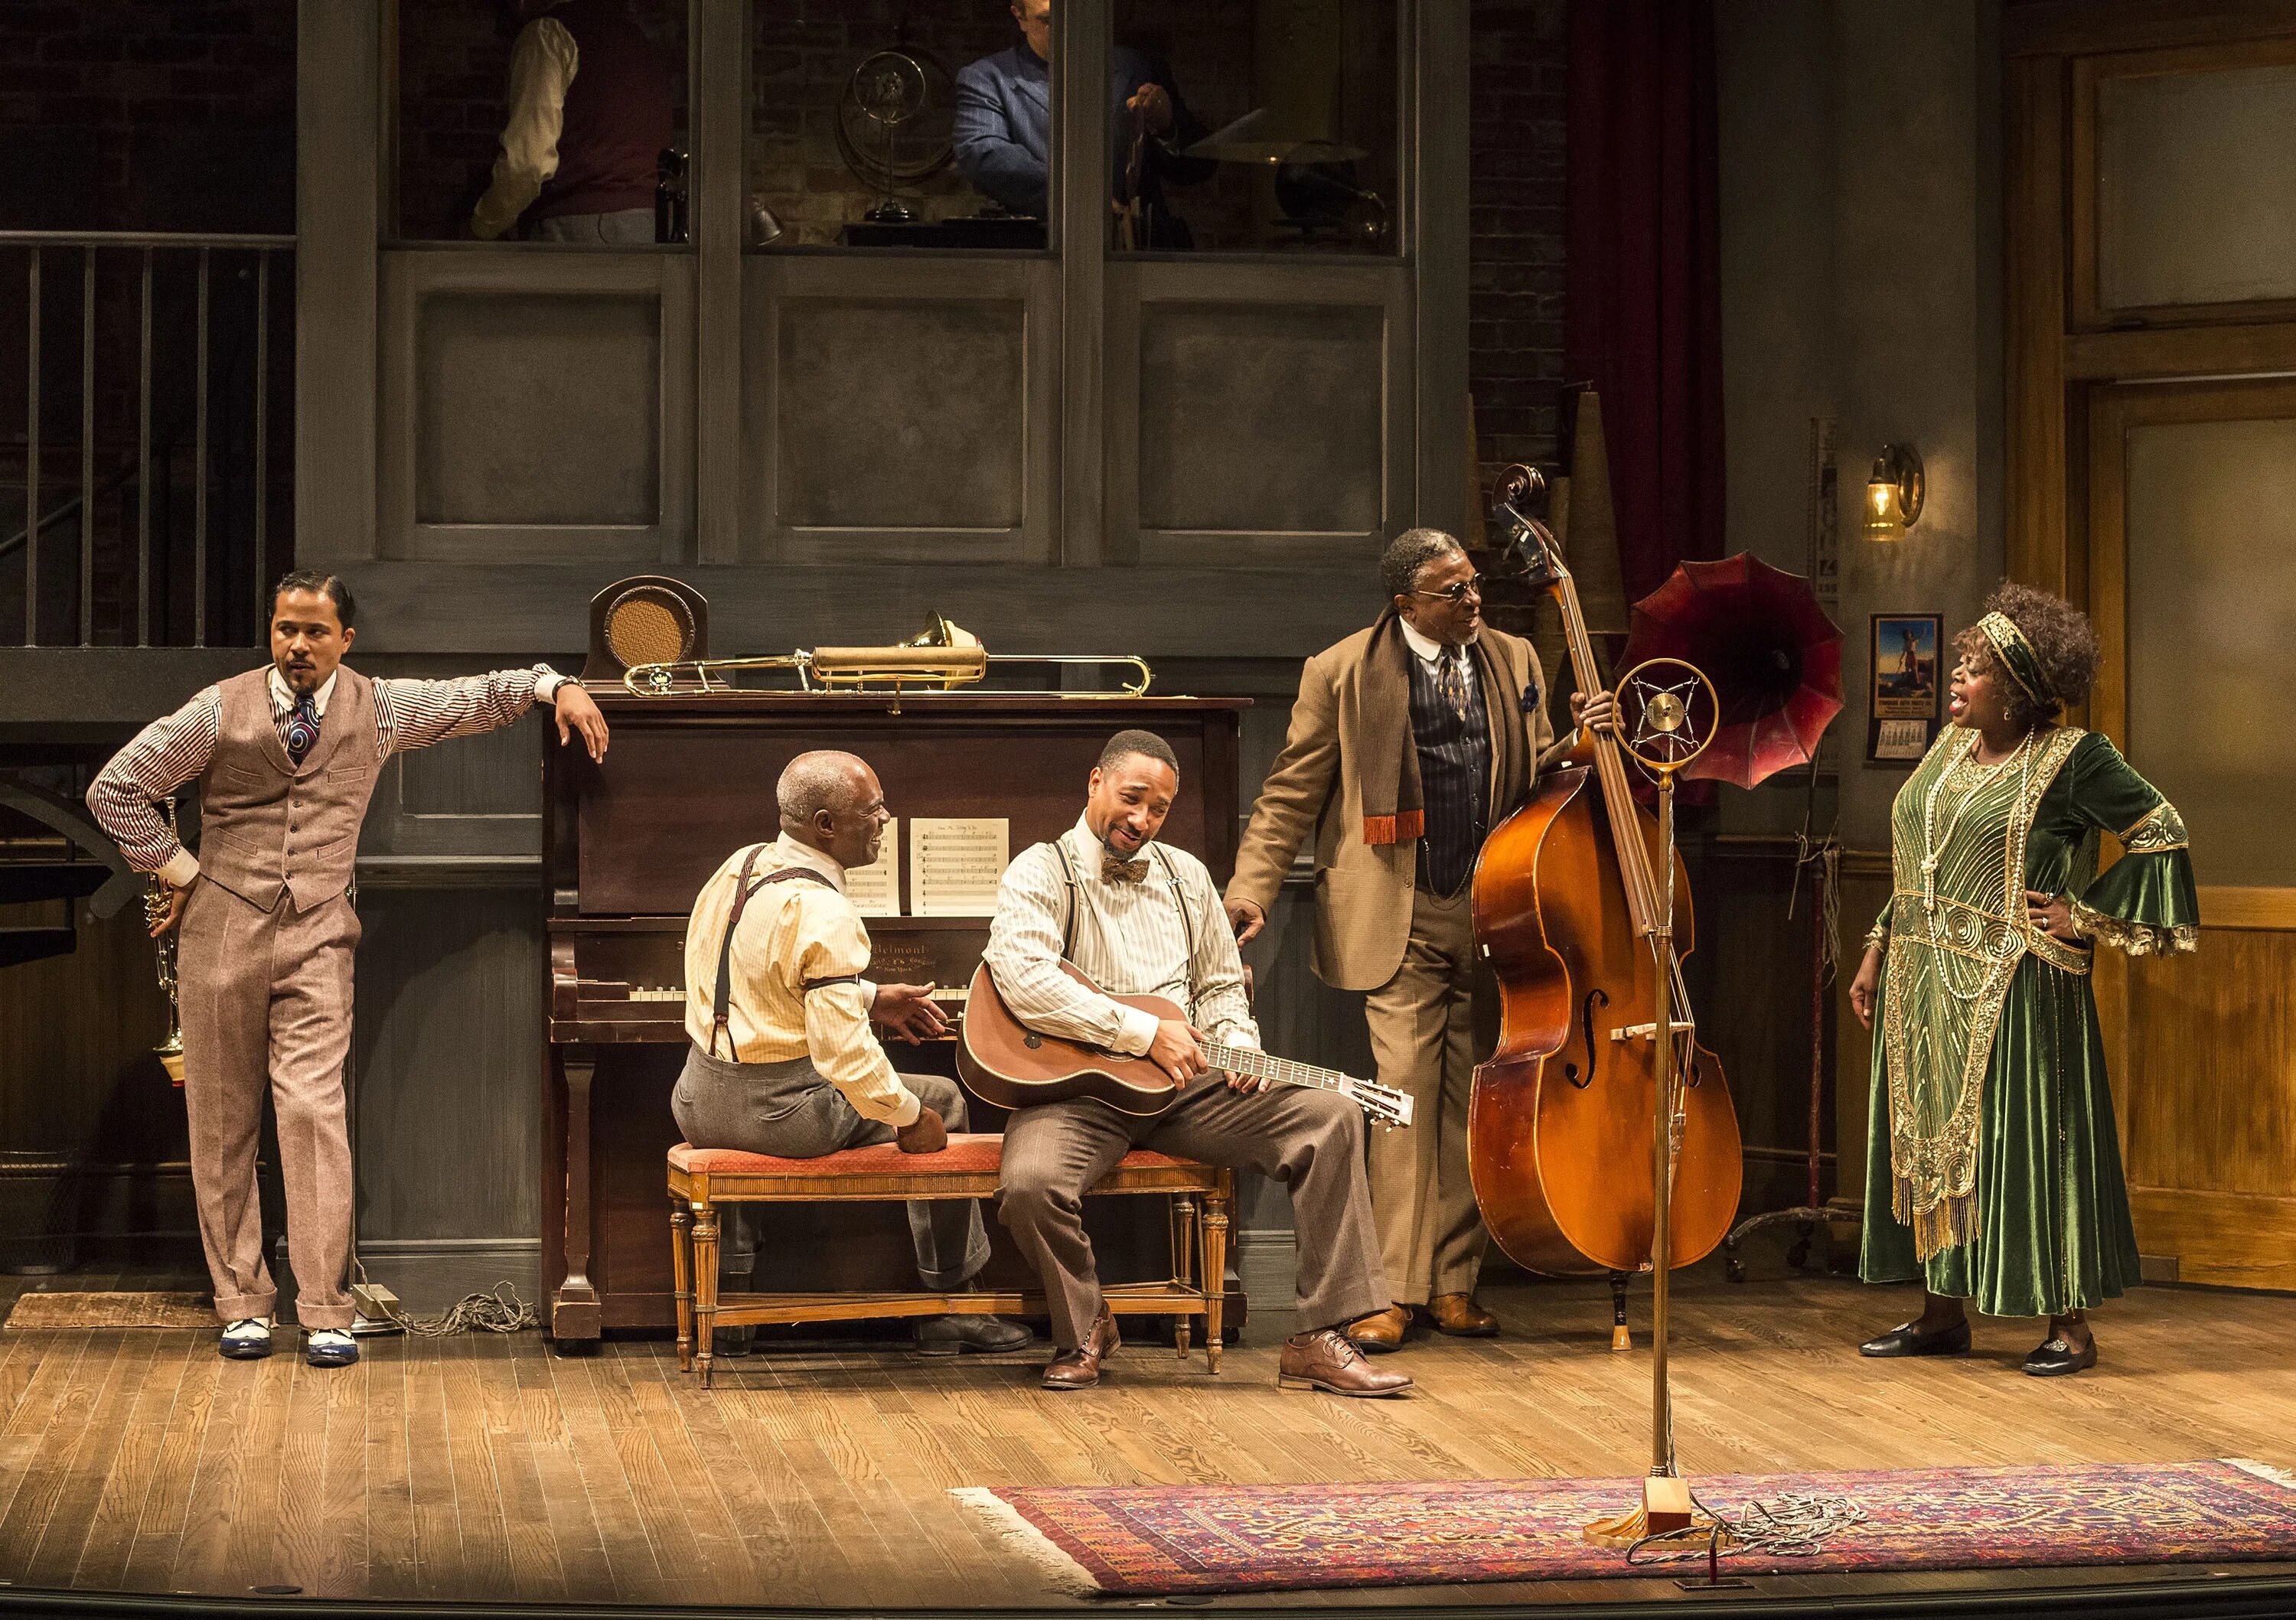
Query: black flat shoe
1912	1340
2054	1358
956	1335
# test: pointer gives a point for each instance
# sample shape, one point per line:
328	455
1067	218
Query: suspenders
722	1004
1188	929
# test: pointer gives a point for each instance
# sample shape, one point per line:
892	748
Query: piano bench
700	1179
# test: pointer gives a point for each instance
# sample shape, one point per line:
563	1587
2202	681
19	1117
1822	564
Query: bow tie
1113	871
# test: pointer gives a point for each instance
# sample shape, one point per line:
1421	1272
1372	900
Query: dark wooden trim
2045	27
1439	256
2084	287
2034	317
1079	233
338	73
2192	351
574	1303
720	32
1222	613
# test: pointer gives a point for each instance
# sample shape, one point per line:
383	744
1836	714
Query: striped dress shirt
791	933
1165	936
168	753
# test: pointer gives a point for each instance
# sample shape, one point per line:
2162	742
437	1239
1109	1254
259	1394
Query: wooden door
2191	551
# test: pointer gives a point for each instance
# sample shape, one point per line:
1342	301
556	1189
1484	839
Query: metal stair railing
37	246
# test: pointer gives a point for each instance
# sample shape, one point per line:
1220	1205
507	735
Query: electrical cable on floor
499	1311
1793	1525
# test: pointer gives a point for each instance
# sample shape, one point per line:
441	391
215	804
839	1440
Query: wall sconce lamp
1893	493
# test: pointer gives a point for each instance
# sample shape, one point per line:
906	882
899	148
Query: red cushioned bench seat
701	1179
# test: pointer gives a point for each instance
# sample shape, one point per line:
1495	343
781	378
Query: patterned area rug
122	1310
1143	1541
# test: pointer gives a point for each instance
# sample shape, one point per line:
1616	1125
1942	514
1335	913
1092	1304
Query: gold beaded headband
2016	655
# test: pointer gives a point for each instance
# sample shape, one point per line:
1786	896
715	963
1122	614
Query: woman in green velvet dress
1993	1172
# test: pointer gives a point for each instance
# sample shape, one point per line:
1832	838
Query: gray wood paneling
902	413
484	452
1079	231
338	73
1260	418
471	797
92	1141
537	405
496	774
1257	413
900	409
720	199
449	1079
1436	205
1210	612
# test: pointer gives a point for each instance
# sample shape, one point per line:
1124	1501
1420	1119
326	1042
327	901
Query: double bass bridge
1649	1032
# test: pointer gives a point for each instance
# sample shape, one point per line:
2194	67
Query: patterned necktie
302	728
1113	871
1451	679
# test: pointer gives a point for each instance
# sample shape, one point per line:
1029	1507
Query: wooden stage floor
484	1468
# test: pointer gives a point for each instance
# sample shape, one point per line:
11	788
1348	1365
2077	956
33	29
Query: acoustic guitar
1002	1060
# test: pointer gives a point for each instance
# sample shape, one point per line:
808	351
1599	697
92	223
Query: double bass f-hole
1597	997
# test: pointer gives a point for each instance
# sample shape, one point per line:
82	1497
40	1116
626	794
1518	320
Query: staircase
60	856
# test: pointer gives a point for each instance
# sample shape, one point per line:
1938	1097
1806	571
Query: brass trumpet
157	897
939	657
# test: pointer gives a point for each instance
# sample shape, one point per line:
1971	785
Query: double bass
1568	895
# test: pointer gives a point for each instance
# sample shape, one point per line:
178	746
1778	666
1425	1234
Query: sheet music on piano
955	863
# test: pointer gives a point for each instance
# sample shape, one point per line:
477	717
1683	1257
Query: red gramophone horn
1773	654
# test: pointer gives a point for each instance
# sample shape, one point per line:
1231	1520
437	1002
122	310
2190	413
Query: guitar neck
1250	1060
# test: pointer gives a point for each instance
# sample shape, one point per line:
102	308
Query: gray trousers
1311	1140
622	228
788	1109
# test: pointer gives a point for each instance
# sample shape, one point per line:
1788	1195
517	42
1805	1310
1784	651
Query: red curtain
1642	286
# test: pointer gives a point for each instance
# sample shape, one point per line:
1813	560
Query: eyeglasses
1473	585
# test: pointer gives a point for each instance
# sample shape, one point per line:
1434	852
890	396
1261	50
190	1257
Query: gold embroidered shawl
1958	928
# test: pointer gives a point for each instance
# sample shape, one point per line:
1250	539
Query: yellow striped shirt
793	932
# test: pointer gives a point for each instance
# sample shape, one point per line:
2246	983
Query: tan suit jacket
1363	891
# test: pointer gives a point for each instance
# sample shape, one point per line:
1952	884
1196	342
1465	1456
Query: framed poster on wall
1906	696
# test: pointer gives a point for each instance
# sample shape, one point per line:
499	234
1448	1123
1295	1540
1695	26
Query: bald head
823	780
832	801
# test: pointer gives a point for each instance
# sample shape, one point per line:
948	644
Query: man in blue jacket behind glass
1004	125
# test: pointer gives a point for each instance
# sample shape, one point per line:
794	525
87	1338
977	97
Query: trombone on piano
939	657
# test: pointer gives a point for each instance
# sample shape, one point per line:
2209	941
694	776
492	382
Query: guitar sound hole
1032	1041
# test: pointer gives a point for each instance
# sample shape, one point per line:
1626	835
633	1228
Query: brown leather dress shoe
1327	1360
1079	1369
1461	1317
1382	1330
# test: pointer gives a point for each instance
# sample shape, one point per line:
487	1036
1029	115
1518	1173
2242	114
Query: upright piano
627	844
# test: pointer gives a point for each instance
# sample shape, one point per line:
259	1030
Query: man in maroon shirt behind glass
589	115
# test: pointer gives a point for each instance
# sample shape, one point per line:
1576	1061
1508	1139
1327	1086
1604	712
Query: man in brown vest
1409	742
286	759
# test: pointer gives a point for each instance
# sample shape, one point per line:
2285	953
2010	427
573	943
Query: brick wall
453	79
802	54
147	115
1518	106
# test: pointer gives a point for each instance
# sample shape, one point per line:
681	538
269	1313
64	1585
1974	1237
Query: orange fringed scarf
1387	756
